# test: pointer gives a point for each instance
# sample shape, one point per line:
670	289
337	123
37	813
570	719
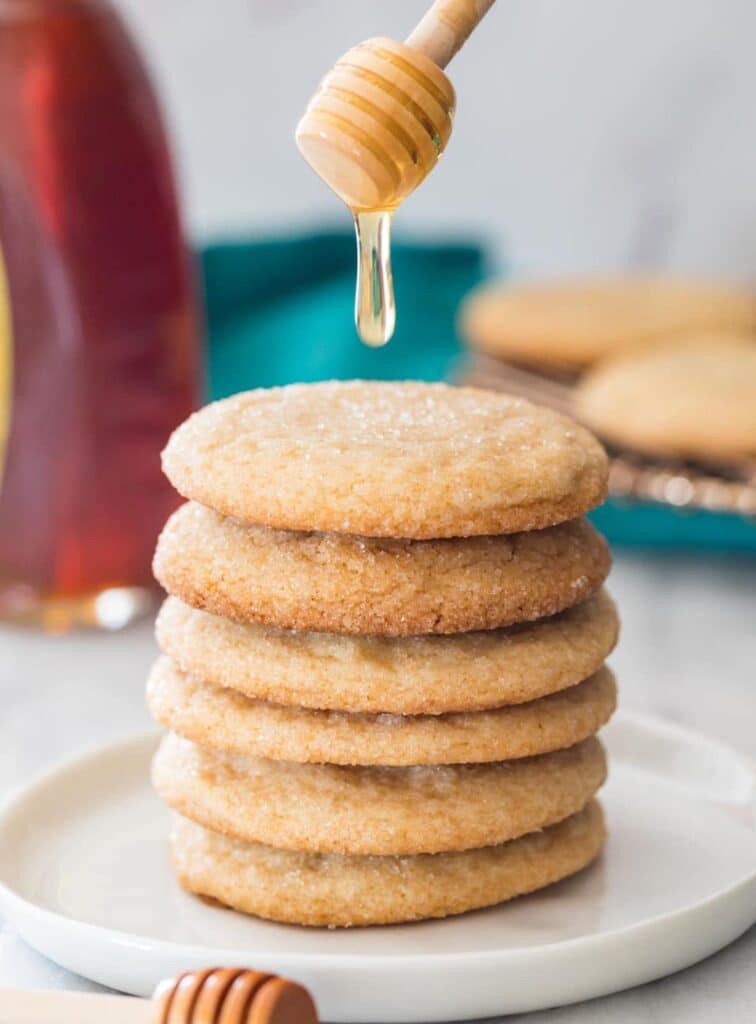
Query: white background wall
590	133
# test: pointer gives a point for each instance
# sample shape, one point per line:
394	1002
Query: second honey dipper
375	128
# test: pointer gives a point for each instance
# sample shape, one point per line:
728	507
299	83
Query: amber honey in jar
99	336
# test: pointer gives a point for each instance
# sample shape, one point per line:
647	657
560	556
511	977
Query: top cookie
409	460
573	323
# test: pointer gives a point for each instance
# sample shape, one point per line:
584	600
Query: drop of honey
374	306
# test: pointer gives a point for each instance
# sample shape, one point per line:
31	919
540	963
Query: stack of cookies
383	651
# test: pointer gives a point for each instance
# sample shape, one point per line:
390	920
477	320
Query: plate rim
12	903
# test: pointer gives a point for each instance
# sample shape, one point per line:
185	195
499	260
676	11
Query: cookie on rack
381	459
574	323
697	401
330	890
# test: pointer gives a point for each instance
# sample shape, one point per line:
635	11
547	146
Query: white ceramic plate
84	876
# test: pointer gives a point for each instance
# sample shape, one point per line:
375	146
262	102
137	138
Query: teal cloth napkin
281	310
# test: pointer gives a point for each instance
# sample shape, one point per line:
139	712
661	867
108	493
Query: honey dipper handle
231	995
44	1007
445	27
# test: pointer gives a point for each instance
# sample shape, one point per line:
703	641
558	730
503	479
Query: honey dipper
221	995
375	128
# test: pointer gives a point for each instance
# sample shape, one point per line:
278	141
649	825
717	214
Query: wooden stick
445	28
47	1007
231	994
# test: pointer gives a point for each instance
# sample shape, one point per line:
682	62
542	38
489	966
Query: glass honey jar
99	327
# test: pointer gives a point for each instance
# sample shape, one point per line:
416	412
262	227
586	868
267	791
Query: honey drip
374	307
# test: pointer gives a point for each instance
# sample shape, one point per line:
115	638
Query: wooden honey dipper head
232	995
377	124
382	116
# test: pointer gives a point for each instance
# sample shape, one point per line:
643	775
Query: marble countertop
687	654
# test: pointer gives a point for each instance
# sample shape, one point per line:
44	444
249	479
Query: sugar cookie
695	401
576	322
226	720
335	809
342	584
337	891
404	675
384	459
